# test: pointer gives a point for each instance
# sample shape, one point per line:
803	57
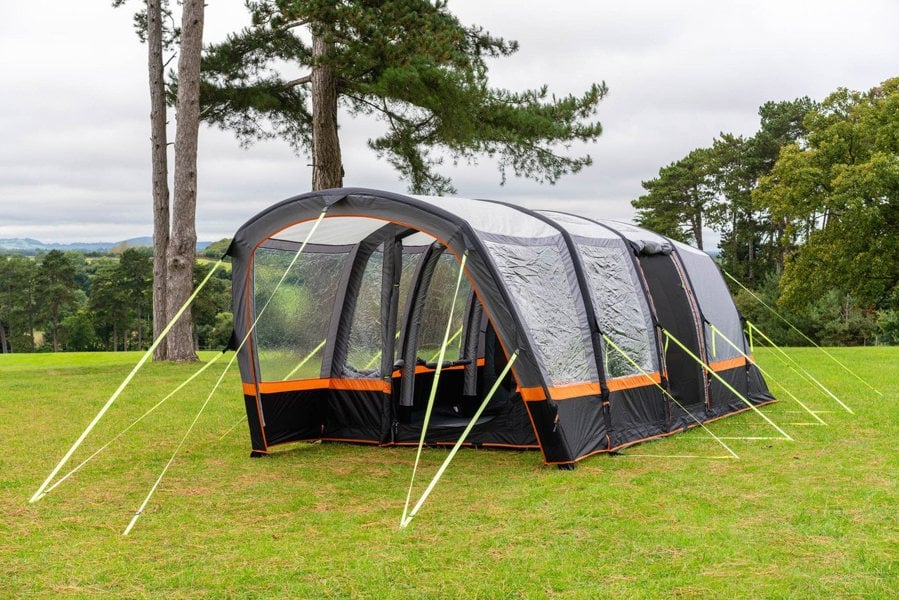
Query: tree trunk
55	325
159	160
697	226
327	165
31	314
182	246
140	329
4	348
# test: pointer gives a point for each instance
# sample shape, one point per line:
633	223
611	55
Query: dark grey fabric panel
638	413
585	424
686	380
715	302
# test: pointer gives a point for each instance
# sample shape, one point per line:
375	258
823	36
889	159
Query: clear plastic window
436	311
537	279
618	311
293	317
364	350
410	265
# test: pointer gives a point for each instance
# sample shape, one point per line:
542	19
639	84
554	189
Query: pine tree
410	64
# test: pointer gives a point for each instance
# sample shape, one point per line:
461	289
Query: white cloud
74	157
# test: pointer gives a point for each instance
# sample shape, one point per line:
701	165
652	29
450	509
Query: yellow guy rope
136	421
797	330
40	493
433	394
673	399
711	372
805	374
178	447
717	332
165	469
477	415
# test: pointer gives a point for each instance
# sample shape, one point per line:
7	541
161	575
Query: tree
409	63
839	195
56	282
110	307
174	236
211	308
150	28
79	332
135	275
18	276
712	187
156	42
679	199
182	248
736	172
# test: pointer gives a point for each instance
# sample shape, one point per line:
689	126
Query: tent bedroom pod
342	298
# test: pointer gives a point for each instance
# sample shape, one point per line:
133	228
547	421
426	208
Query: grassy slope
812	518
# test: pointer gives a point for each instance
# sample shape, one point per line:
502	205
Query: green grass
812	518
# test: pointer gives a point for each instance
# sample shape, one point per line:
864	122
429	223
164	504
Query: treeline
807	210
69	301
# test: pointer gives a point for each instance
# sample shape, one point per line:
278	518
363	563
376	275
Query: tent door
425	328
673	310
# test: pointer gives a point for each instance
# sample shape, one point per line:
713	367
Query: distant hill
32	246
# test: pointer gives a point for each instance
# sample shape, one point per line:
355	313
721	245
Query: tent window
436	311
294	324
538	281
364	350
411	260
618	310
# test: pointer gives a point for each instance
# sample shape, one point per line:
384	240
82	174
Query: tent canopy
343	297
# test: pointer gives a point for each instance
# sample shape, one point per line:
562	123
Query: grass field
812	518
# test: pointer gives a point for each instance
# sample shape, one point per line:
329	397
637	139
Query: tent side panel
544	416
537	274
637	413
685	377
744	378
715	302
724	401
354	415
257	436
292	416
584	424
757	388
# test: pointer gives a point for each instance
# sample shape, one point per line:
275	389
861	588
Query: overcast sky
74	141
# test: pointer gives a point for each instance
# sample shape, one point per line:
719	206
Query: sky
74	105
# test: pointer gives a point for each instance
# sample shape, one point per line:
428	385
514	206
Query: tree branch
300	81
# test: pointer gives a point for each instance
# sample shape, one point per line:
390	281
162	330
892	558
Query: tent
346	300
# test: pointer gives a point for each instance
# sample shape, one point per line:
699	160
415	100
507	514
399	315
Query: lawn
811	518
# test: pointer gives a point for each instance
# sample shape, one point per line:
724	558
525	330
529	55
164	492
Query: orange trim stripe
562	392
633	381
298	385
575	390
532	394
730	363
579	390
361	385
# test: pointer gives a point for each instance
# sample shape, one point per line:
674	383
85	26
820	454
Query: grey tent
342	299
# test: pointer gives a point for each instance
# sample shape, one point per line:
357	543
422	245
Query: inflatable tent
342	297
